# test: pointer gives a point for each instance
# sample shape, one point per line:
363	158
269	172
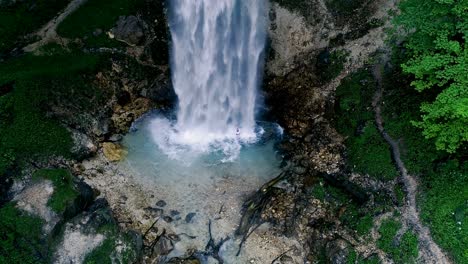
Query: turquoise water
201	183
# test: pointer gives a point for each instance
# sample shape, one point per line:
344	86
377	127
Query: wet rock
101	127
161	203
83	146
84	234
33	199
129	29
174	213
163	247
123	98
116	138
154	212
6	88
124	115
97	32
189	217
337	251
190	260
168	219
113	152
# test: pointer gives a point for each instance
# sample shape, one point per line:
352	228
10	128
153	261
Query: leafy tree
437	57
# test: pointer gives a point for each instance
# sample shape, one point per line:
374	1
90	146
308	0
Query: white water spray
217	60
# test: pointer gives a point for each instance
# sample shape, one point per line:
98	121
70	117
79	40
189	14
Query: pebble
189	217
161	203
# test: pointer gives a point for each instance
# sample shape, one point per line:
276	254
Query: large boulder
113	152
129	29
83	146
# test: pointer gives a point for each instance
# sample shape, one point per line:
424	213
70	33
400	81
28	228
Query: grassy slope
64	191
25	131
20	237
443	198
367	152
24	17
97	14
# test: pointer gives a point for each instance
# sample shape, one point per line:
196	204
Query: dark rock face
189	217
129	30
6	88
96	225
337	251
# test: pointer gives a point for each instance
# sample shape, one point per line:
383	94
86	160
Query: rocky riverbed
276	220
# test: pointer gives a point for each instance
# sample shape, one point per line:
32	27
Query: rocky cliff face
313	46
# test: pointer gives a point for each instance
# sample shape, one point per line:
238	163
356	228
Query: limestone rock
34	199
124	116
129	30
113	152
83	145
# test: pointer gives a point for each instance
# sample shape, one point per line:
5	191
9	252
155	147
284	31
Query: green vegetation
367	151
437	57
64	190
403	251
107	252
356	220
330	64
97	14
444	207
354	258
20	237
443	176
26	132
354	216
344	7
23	17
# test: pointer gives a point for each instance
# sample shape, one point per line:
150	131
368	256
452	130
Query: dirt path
429	251
48	33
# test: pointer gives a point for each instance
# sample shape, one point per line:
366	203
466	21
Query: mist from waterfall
217	60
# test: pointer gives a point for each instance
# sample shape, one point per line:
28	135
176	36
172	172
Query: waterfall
217	62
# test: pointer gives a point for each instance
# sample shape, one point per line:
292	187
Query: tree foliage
437	32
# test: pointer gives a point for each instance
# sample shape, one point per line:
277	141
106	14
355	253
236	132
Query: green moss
23	17
329	65
354	258
344	7
107	253
318	191
97	14
400	194
444	208
367	151
300	6
64	190
388	231
38	82
356	219
20	237
405	250
444	178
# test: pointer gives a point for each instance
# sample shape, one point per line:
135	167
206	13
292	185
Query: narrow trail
429	251
48	33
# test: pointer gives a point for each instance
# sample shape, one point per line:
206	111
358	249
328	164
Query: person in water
237	132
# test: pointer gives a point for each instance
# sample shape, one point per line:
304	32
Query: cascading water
217	49
217	59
